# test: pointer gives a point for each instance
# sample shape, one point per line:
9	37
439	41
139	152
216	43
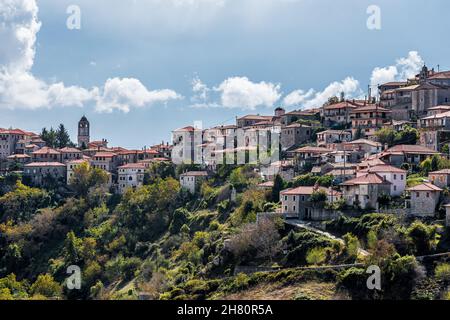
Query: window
285	208
417	195
294	208
428	194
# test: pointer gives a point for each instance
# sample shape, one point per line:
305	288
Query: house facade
130	176
364	191
192	180
424	200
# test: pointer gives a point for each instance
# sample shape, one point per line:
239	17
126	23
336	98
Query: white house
191	180
396	176
131	176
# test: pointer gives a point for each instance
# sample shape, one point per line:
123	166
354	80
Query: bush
46	286
442	272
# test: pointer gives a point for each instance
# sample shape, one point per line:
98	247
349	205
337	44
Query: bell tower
83	133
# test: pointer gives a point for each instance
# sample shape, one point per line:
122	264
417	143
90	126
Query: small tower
83	133
279	112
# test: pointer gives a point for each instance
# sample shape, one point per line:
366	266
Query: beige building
192	180
424	199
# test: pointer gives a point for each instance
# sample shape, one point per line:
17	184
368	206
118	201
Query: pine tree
62	137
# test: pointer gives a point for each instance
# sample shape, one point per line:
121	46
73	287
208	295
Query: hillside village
352	141
292	205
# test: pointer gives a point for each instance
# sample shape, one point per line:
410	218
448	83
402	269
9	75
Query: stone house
309	155
369	119
338	113
327	137
192	180
424	199
295	135
107	161
440	178
396	176
9	139
364	191
41	172
284	168
412	154
296	202
20	159
368	147
46	154
70	154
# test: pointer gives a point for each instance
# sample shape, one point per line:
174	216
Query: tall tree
62	137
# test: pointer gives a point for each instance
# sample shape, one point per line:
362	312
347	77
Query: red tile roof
105	154
370	108
308	191
45	164
444	171
425	187
370	178
384	168
133	166
46	150
340	105
69	150
405	148
312	150
195	173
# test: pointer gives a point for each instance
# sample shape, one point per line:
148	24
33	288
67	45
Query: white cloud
404	69
121	94
19	88
310	99
240	92
298	97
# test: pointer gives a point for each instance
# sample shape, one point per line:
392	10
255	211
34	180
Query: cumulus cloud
240	92
310	99
404	69
121	94
298	97
19	88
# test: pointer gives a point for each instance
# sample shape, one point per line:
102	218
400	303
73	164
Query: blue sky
246	56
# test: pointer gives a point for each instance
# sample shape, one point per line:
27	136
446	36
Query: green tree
63	137
86	177
46	286
278	186
386	136
316	256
